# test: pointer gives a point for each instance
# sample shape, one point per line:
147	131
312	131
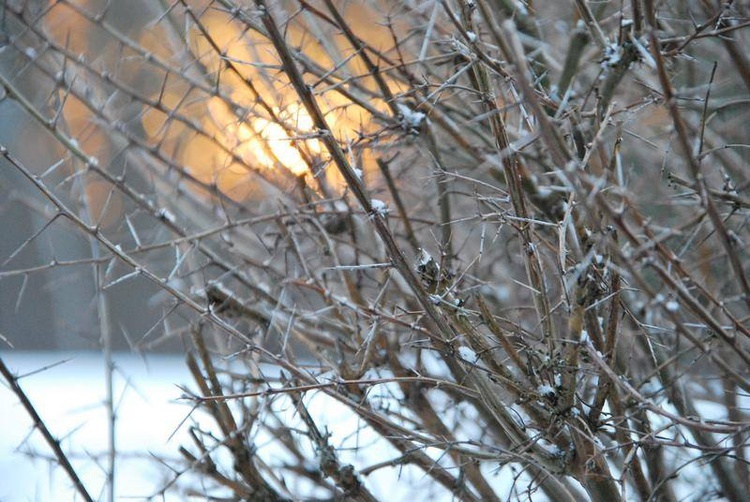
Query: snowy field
69	392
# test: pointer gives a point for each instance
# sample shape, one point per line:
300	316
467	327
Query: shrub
505	238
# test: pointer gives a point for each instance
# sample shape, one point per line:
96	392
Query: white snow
69	397
166	215
522	8
379	207
412	119
153	421
424	257
467	354
612	55
545	389
584	336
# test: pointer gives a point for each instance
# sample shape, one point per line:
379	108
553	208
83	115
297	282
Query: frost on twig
257	188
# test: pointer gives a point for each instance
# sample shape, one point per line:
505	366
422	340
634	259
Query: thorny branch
497	237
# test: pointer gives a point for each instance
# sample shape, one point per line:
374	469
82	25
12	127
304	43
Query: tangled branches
497	239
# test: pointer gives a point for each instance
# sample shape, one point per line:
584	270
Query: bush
507	239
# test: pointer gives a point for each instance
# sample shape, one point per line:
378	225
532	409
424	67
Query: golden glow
284	142
261	141
227	138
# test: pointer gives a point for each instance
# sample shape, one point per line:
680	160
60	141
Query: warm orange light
236	135
226	140
260	141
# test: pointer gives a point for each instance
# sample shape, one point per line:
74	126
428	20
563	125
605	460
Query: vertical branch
512	174
345	477
729	244
400	207
109	369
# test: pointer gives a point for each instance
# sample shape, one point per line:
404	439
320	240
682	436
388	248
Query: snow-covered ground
69	389
69	394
